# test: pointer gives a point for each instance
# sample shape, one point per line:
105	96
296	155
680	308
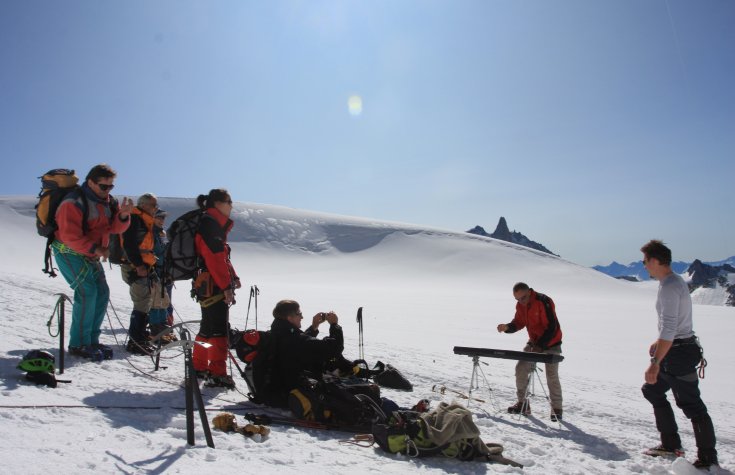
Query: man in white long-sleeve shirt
674	359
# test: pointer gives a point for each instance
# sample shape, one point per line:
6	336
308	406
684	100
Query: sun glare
354	105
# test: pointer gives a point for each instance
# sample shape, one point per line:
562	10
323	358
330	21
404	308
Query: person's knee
219	328
652	394
693	409
699	417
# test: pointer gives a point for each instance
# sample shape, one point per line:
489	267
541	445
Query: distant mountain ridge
503	233
711	283
637	270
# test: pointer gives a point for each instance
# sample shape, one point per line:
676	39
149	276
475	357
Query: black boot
138	323
704	434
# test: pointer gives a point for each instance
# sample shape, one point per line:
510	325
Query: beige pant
524	373
145	294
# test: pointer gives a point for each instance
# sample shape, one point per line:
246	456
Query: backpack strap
48	263
85	211
78	194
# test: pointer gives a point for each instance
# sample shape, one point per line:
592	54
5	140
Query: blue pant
91	294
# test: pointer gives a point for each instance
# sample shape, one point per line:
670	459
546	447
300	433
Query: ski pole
250	300
257	291
253	296
361	344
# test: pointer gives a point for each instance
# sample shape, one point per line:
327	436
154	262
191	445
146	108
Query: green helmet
37	361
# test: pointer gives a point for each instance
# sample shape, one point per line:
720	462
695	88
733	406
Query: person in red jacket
537	314
78	248
215	287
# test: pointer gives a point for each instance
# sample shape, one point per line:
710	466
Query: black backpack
388	376
258	372
253	348
56	184
335	402
181	261
117	253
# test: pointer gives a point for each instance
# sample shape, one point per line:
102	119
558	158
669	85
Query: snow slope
423	292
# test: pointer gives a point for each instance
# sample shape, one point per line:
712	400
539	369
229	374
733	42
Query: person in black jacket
138	271
295	354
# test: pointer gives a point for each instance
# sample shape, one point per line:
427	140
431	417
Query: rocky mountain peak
503	233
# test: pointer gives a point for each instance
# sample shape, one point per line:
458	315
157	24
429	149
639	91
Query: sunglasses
105	187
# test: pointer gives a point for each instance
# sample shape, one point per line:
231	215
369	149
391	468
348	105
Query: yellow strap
211	300
64	249
305	404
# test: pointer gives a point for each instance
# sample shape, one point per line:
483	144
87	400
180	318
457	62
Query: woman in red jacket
215	285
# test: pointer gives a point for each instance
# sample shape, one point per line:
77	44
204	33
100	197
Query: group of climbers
85	220
89	215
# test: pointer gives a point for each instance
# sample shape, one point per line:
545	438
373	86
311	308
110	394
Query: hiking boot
704	463
106	350
661	451
87	352
556	415
224	381
139	348
523	408
201	373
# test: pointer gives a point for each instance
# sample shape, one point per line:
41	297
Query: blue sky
592	126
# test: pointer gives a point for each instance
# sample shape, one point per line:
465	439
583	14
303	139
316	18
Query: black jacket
138	240
296	354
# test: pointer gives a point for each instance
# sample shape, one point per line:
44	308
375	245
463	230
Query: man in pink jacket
86	218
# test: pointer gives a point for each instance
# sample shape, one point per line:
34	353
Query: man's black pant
679	374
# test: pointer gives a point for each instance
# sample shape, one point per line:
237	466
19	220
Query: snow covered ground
423	292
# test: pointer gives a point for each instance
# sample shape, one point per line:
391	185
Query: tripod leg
537	372
473	377
541	383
